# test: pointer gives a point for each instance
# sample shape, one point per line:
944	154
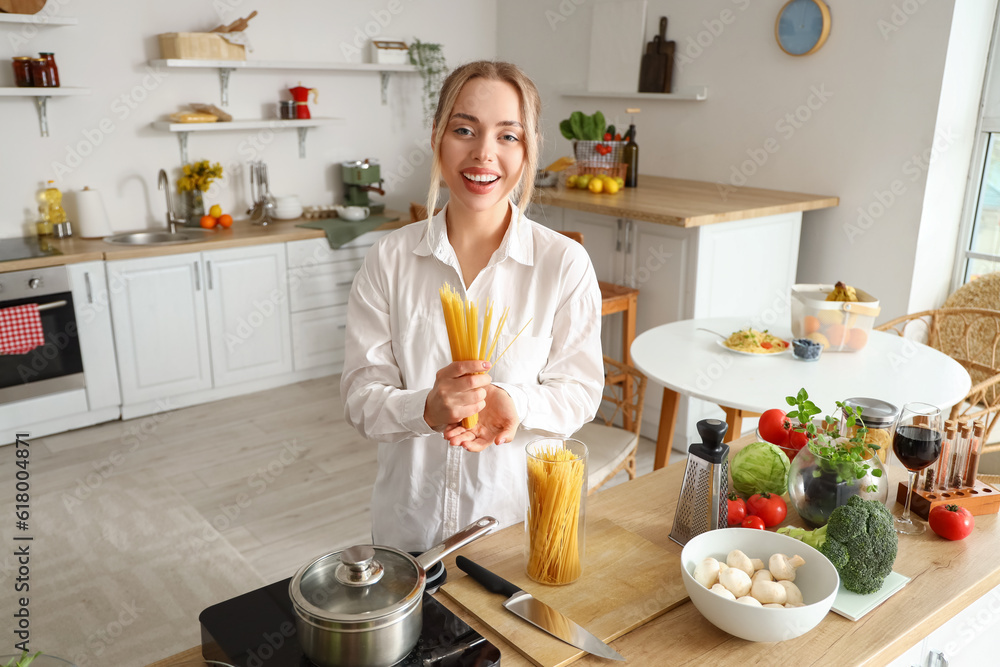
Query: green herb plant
23	661
845	456
430	62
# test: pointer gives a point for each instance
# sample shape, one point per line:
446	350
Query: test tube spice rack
951	480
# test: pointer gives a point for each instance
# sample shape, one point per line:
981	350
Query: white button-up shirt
397	340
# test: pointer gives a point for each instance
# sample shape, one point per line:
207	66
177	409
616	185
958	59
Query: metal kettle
701	505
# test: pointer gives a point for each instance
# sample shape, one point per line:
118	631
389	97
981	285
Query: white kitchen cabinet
246	294
318	337
160	324
88	282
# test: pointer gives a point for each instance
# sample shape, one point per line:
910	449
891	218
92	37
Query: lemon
620	181
571	181
596	185
611	187
215	211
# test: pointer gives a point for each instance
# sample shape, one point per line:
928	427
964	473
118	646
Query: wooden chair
970	336
611	448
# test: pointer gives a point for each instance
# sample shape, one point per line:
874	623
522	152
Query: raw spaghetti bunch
555	485
468	342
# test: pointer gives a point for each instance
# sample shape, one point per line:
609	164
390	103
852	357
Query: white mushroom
768	591
737	581
706	572
783	567
774	604
722	566
792	593
762	574
758	564
746	599
719	589
740	560
792	605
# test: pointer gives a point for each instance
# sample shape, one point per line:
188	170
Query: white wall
873	90
108	52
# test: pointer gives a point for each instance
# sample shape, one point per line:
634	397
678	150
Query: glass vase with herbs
837	462
197	178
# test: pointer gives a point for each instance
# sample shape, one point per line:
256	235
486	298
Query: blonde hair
531	109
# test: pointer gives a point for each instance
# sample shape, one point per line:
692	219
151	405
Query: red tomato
797	439
752	521
737	509
769	507
951	522
771	427
766	345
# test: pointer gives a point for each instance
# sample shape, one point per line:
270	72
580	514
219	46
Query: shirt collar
517	242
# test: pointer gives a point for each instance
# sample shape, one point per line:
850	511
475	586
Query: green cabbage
760	466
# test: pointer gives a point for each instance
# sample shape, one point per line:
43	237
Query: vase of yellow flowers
197	178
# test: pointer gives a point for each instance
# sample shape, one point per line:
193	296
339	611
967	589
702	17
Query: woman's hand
459	391
497	423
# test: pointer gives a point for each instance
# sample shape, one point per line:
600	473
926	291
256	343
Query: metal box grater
701	505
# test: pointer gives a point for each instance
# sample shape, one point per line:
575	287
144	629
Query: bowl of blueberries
805	349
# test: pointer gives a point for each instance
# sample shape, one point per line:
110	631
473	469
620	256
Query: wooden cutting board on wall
627	581
21	6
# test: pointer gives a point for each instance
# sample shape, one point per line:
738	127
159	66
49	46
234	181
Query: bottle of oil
50	207
630	156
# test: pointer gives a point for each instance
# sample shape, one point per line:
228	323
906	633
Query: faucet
163	183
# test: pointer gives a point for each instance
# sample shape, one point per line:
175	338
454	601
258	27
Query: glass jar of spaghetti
555	516
879	417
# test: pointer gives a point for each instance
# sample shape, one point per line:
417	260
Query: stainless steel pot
362	607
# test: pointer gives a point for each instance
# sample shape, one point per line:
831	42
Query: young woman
399	385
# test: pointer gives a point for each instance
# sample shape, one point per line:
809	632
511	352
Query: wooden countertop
683	203
945	577
75	250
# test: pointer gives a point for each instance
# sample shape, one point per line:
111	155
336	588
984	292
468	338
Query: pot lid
363	579
874	413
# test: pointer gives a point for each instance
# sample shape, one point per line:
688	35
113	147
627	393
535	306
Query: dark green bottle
630	156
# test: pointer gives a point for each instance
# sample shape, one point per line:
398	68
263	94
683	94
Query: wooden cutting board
21	6
627	581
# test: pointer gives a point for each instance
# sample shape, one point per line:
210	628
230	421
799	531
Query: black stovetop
24	248
257	629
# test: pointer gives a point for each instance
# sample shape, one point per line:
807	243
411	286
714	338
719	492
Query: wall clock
802	26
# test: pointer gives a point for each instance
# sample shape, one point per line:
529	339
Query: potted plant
197	178
429	60
837	462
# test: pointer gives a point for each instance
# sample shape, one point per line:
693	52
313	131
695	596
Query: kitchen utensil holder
979	499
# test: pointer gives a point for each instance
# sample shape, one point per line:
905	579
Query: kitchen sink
187	235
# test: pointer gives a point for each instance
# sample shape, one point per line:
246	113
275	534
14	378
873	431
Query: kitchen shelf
697	94
184	129
227	67
37	20
42	96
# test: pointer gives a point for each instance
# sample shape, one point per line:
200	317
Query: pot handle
473	531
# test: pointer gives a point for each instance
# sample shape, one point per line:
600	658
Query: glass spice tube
975	451
941	471
22	71
958	456
50	58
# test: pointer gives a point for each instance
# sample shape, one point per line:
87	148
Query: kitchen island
946	577
693	249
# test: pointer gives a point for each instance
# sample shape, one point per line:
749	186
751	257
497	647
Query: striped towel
20	329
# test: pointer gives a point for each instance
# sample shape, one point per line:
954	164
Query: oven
56	366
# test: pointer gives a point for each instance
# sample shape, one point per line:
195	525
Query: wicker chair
970	336
611	448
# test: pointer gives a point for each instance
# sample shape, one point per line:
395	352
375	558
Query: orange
836	334
208	222
810	323
226	220
857	338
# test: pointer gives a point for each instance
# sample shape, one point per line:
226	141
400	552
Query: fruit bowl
817	579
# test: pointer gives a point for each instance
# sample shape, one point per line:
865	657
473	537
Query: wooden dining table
945	578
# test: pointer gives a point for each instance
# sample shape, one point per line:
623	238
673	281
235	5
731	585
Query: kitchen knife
538	613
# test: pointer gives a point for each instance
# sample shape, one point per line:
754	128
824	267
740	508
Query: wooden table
691	362
945	578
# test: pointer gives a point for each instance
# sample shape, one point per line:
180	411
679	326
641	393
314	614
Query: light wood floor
279	473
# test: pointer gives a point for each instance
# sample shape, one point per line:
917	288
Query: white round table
691	362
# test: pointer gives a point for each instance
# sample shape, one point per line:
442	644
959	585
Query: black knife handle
490	581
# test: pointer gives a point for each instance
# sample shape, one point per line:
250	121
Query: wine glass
917	444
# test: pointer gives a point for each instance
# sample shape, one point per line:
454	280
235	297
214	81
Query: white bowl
817	579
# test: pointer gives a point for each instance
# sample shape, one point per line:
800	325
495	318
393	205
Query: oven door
52	368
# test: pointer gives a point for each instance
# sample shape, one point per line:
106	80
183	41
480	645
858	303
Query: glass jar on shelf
50	59
41	76
22	71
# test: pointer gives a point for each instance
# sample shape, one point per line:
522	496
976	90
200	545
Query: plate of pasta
755	343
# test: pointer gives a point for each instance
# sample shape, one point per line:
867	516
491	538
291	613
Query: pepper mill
701	505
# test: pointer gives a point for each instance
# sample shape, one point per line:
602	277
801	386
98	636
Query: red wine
916	447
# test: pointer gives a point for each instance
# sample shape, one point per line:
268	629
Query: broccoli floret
860	542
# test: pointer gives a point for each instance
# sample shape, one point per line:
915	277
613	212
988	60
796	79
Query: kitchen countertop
945	577
75	250
683	203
